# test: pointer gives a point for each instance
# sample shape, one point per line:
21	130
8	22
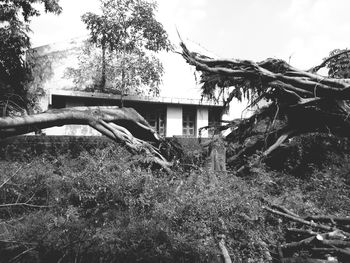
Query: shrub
100	208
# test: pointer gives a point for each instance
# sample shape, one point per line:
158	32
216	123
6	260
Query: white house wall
73	130
79	130
173	124
174	121
202	121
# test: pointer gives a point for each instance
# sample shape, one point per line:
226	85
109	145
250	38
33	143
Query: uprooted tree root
297	101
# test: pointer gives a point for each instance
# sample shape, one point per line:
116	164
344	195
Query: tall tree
15	72
127	32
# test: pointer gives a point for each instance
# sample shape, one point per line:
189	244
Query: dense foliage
15	72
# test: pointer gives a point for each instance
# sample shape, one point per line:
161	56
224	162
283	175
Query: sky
301	32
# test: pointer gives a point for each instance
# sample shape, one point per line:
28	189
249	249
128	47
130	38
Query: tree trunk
122	88
103	73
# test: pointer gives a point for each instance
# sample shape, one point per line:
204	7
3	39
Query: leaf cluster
339	66
15	72
126	25
15	10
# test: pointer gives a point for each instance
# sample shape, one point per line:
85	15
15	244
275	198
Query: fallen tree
122	125
292	101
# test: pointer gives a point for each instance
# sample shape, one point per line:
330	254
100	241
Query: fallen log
335	241
296	245
306	260
318	240
334	250
304	232
122	125
330	219
336	234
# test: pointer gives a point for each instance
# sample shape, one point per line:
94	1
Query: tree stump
217	154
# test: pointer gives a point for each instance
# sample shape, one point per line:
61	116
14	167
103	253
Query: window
156	119
189	122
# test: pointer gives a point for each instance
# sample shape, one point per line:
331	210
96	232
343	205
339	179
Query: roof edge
163	100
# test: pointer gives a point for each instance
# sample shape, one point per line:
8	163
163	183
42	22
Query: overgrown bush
103	207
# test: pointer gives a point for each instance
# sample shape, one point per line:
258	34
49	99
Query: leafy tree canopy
133	73
14	71
338	64
128	34
127	25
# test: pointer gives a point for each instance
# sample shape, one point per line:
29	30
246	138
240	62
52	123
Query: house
168	116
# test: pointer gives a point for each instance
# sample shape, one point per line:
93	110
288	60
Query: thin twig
21	254
25	204
8	179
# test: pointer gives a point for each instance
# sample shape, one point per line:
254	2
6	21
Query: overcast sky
300	31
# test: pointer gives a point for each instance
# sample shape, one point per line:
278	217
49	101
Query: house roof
146	99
